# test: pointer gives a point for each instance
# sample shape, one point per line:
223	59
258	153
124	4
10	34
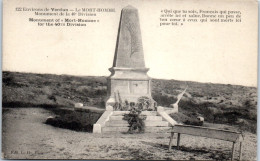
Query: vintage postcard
130	80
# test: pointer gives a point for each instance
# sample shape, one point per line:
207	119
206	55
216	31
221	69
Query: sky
204	52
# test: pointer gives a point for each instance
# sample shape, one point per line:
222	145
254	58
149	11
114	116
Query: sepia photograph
130	80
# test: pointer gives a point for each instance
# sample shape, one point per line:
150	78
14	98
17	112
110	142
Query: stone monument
128	79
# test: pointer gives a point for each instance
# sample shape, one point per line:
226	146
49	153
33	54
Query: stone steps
109	129
154	118
153	123
123	123
148	113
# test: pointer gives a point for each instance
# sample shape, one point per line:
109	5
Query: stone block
78	105
97	128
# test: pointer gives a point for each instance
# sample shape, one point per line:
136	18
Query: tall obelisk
128	75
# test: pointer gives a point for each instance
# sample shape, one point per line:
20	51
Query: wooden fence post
178	140
233	147
171	139
240	151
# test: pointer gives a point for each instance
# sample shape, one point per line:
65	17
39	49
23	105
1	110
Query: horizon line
151	77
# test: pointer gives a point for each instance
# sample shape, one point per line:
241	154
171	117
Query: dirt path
25	136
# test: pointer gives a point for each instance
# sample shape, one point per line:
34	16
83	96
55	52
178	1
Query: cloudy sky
204	52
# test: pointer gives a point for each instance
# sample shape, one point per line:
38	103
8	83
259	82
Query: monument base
128	84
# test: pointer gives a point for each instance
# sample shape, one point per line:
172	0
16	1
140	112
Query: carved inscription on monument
135	42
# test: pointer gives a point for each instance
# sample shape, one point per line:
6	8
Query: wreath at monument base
134	117
135	121
143	103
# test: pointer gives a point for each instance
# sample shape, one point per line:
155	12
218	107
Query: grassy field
217	103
